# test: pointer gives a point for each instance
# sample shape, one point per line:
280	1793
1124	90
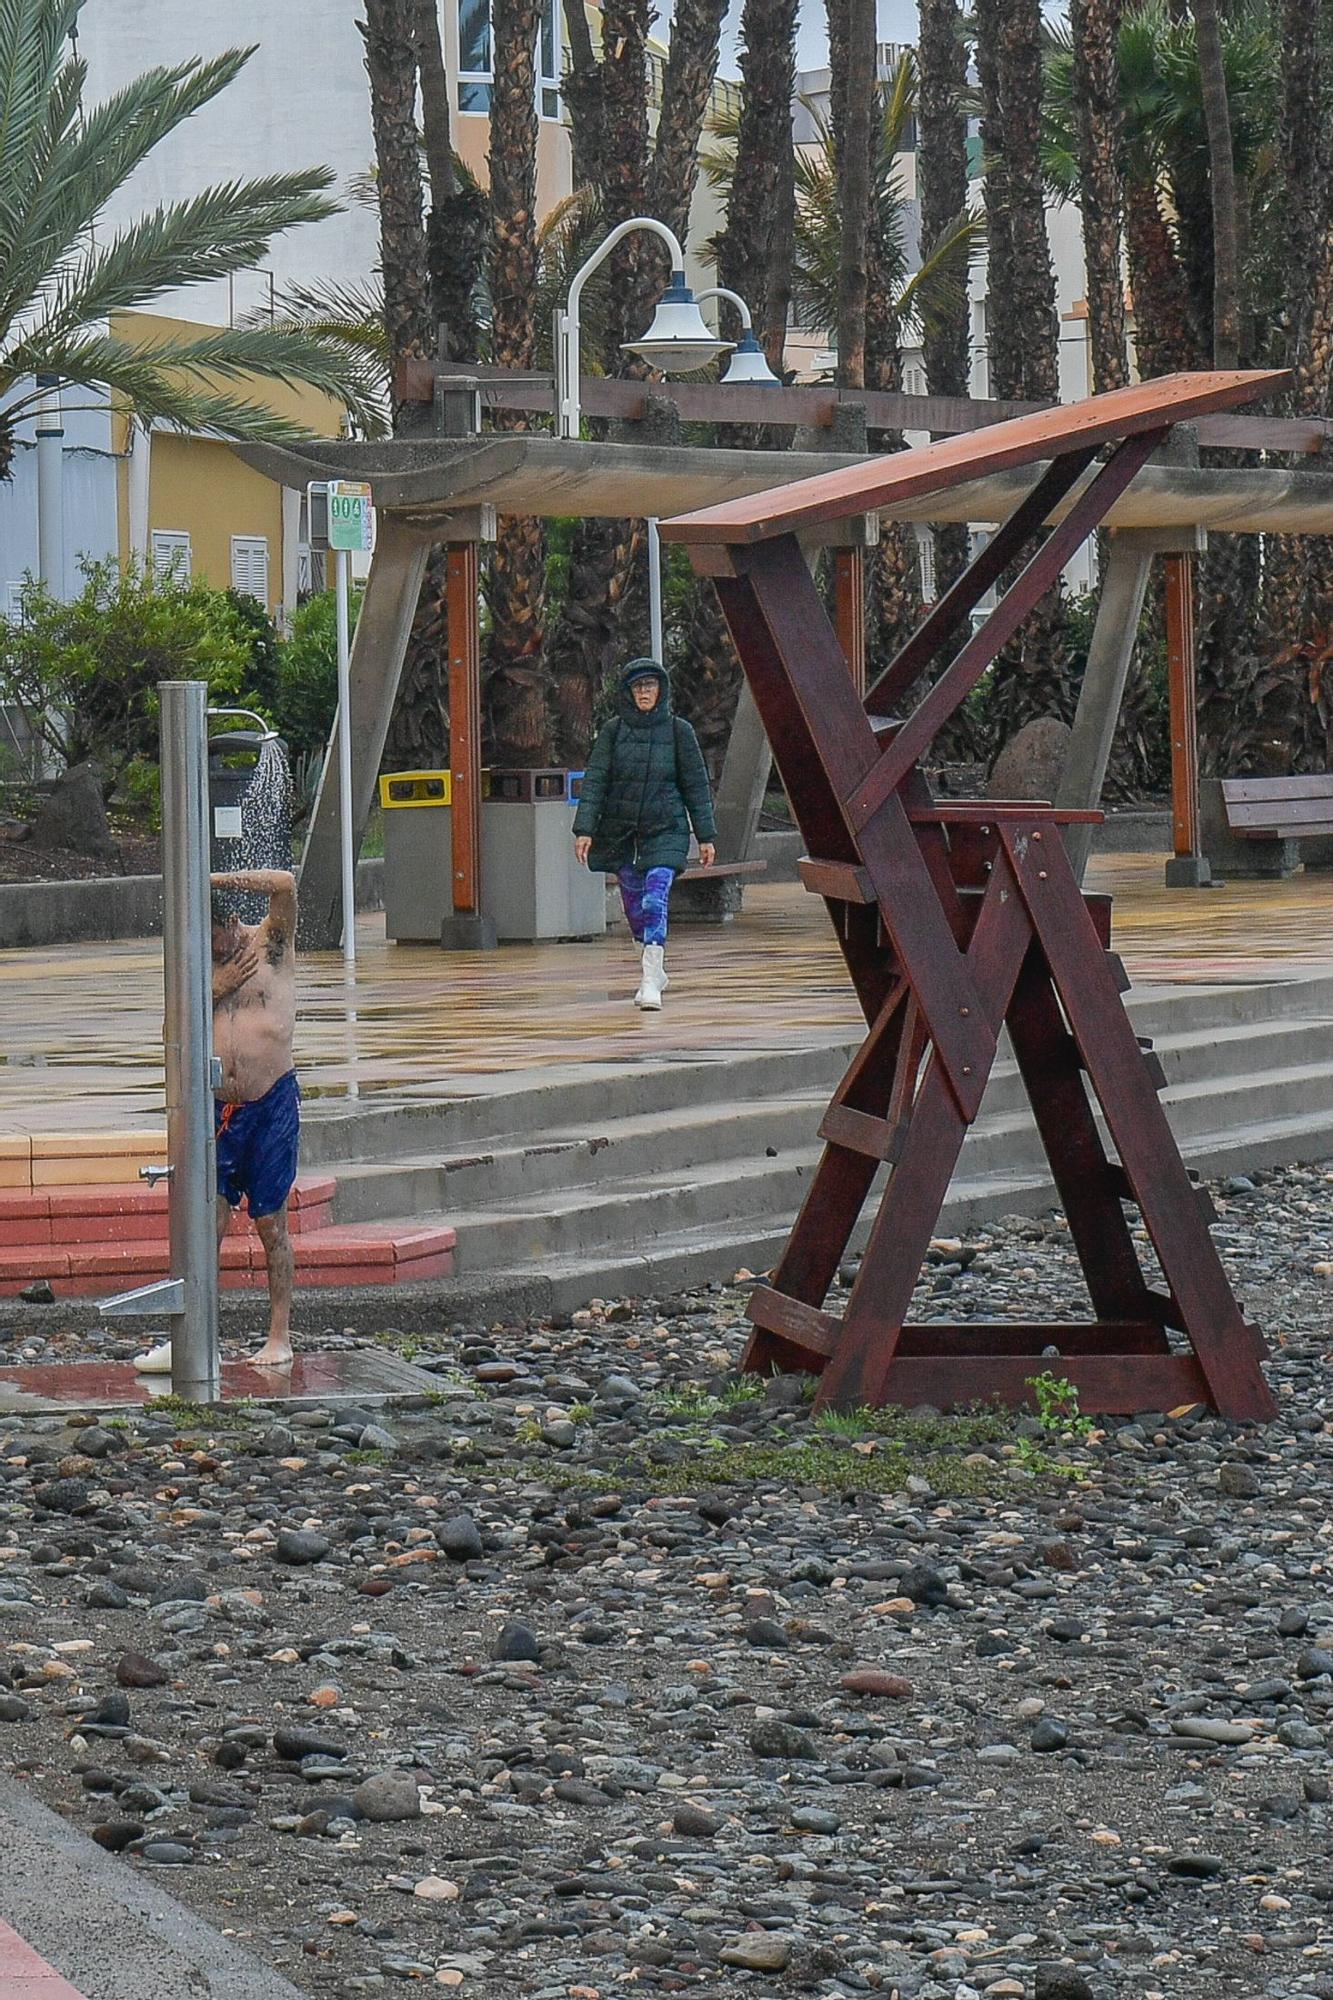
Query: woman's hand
707	854
582	849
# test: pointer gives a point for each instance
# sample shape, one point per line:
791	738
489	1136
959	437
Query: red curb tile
25	1975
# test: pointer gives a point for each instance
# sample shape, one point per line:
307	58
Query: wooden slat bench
1270	815
711	895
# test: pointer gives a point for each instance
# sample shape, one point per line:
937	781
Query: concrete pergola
431	491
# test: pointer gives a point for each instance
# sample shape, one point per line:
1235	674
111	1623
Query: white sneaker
654	981
157	1361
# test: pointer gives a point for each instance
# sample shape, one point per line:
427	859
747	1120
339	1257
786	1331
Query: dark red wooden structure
957	920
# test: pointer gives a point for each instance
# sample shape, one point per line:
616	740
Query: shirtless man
257	1107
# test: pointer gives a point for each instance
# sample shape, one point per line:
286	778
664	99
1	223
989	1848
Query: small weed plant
1056	1399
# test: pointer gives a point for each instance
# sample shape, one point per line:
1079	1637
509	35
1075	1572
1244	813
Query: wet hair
223	914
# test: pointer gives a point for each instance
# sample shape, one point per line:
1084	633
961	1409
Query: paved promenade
80	1026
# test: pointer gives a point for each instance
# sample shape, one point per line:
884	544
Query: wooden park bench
711	895
1282	810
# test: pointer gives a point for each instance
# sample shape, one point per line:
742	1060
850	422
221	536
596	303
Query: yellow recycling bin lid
416	788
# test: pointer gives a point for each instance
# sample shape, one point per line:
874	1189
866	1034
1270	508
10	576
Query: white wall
302	101
88	485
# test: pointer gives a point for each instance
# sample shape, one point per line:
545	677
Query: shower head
267	733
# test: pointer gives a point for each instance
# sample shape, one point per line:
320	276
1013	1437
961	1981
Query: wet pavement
80	1025
356	1376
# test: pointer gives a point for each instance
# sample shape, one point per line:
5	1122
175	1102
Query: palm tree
457	222
517	692
65	273
1029	680
419	730
1094	29
854	52
1222	176
942	185
753	251
390	37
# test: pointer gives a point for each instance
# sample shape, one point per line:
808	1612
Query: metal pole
50	482
654	590
187	972
342	587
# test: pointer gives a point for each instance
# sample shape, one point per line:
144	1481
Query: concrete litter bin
531	885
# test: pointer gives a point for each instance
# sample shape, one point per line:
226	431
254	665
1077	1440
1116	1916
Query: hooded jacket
646	784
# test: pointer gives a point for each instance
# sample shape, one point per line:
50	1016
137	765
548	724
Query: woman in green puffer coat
645	786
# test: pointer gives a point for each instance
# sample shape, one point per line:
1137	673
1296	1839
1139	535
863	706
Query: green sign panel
351	516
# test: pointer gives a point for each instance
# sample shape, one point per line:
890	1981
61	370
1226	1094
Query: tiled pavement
80	1025
24	1975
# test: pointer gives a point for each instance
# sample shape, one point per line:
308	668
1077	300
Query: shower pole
188	977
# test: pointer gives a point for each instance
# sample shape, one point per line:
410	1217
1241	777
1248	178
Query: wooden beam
876	484
849	611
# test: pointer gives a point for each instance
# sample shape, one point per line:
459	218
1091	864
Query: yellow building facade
188	504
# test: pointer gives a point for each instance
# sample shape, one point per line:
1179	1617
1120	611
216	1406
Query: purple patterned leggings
645	897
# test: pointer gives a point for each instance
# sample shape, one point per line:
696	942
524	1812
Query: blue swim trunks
257	1147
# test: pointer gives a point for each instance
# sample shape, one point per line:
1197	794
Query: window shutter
249	566
171	555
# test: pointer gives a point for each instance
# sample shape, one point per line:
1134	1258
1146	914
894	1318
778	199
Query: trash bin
250	810
418	854
531	885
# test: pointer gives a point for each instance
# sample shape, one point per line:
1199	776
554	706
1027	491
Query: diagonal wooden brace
869	794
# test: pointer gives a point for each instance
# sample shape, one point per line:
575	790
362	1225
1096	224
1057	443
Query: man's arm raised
279	885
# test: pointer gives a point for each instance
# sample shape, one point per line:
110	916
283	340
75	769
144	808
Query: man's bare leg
273	1234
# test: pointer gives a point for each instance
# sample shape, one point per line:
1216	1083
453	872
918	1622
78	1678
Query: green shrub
307	691
84	674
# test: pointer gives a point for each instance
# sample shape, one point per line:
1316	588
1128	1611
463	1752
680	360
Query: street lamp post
678	341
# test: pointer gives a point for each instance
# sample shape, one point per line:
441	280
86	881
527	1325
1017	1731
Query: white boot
654	981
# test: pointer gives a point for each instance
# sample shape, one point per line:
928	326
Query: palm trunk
584	98
418	733
459	219
1222	172
391	64
755	248
1001	362
856	92
517	693
1298	570
943	189
1030	679
1166	335
1095	25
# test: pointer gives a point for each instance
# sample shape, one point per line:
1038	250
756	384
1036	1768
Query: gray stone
1238	1482
517	1642
761	1951
299	1546
693	1821
1031	762
73	815
772	1738
388	1795
460	1537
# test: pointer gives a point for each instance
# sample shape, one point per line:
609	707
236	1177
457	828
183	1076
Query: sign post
351	526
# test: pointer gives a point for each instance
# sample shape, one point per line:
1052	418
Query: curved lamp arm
567	325
732	299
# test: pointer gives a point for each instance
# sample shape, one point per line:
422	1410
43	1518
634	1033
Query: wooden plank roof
876	484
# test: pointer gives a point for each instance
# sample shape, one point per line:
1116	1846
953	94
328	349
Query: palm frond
61	284
172	384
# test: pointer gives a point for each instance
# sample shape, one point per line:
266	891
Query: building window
548	79
171	555
249	566
475	58
474	55
15	612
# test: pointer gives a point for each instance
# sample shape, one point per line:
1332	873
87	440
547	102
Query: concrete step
1207	1076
